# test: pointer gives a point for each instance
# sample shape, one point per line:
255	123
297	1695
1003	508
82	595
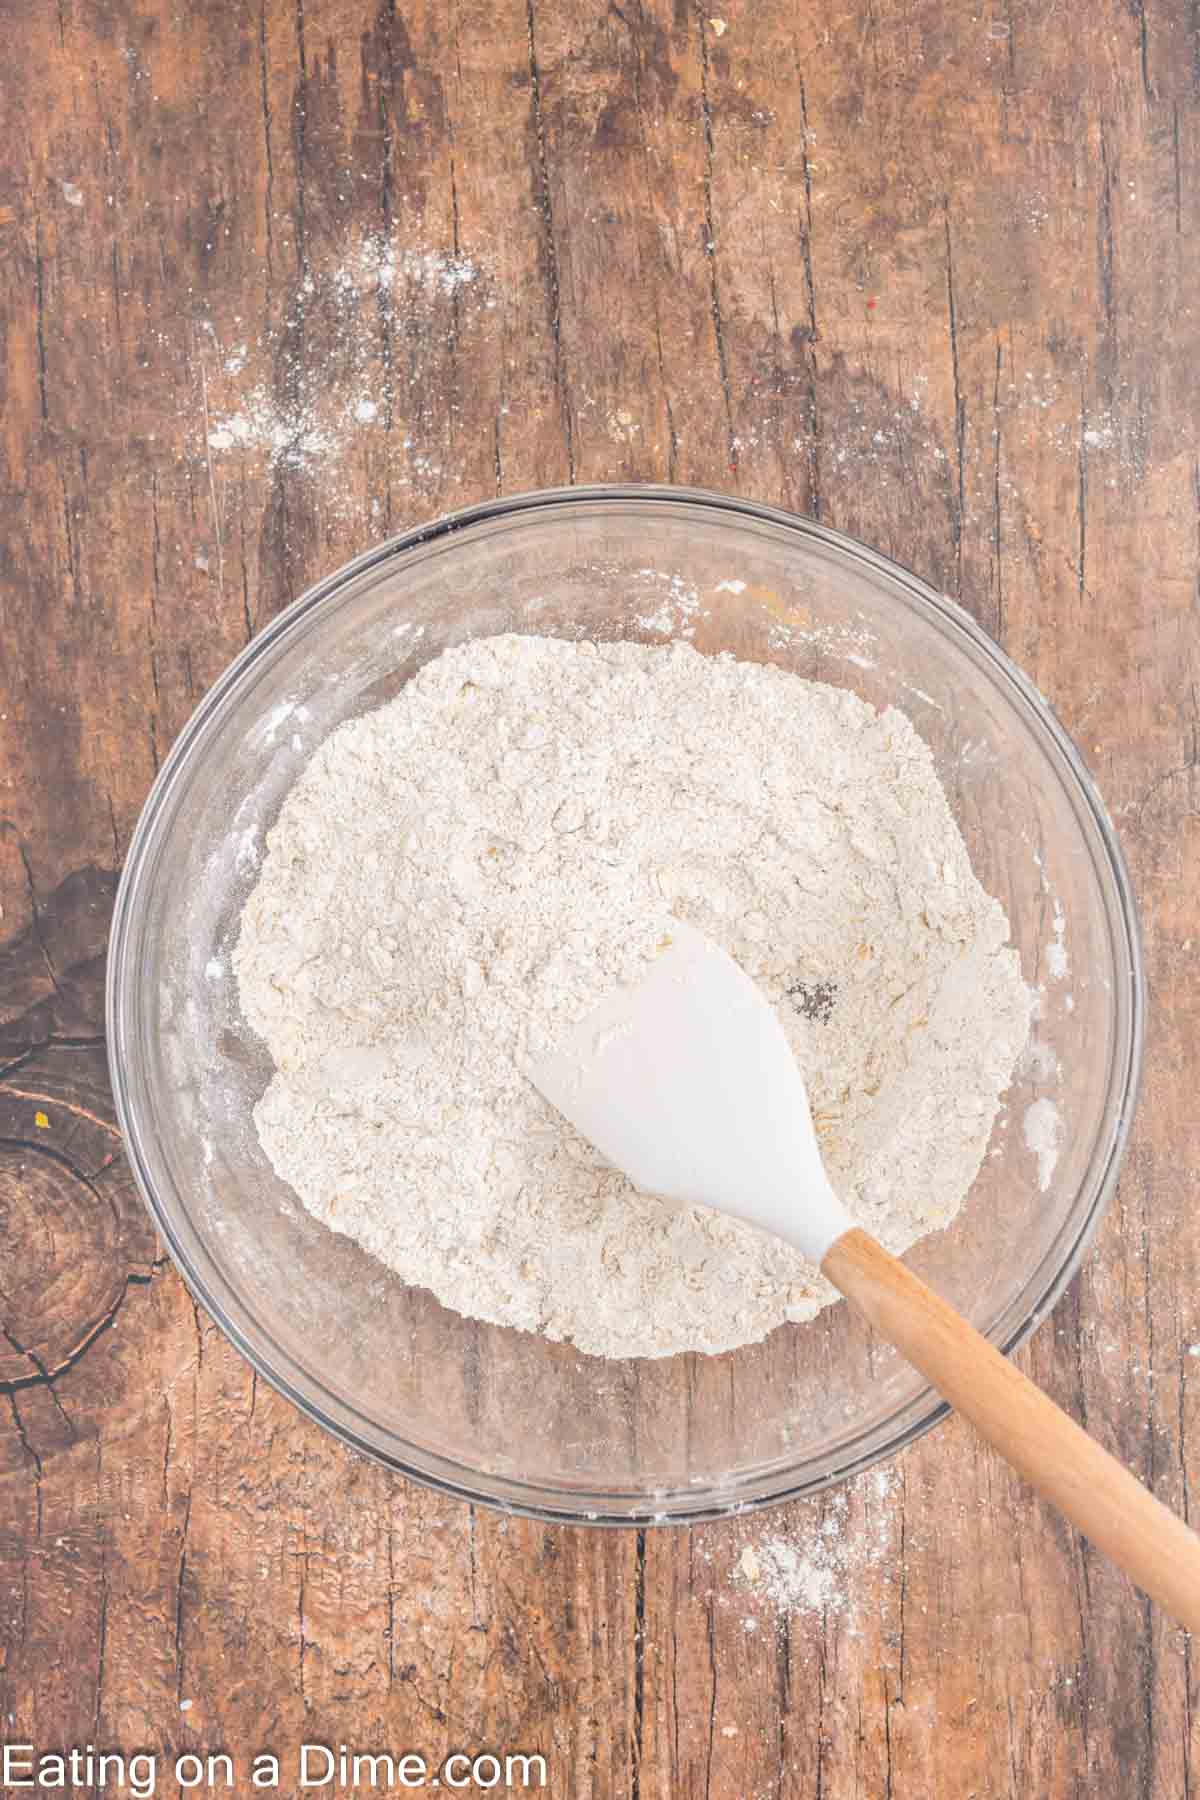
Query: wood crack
960	411
19	1062
31	1454
454	396
1139	11
675	1751
391	1597
903	1597
247	616
639	1667
1148	1783
1105	243
887	1744
268	156
75	1107
102	1626
783	1679
152	616
1186	1510
822	1679
302	1650
112	811
300	127
44	1375
644	145
545	206
213	502
166	1462
39	278
672	434
387	208
997	519
810	287
1082	1560
1151	1470
473	1562
712	1705
115	272
73	561
710	248
180	1589
1082	494
36	918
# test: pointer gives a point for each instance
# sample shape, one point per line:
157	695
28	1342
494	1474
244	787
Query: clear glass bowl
502	1416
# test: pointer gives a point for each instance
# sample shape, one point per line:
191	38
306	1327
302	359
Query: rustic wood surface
929	272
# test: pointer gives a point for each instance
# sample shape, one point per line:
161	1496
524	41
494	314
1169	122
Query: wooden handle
1099	1496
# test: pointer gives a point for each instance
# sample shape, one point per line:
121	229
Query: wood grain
927	272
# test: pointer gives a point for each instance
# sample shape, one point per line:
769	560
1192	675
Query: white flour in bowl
460	874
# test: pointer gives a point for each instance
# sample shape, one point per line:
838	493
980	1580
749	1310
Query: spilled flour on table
816	1566
793	1578
458	876
353	348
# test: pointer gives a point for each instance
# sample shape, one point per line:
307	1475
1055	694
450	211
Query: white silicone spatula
686	1081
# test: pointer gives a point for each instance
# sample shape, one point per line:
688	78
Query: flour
818	1565
457	876
793	1579
306	415
1043	1134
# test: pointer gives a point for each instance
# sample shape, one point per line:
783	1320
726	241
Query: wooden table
928	272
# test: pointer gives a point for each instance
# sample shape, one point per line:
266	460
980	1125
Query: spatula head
686	1081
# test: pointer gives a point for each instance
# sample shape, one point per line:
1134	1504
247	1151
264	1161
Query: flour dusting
794	1578
456	877
332	378
817	1565
1043	1132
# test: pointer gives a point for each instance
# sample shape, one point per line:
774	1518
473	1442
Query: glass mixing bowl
502	1416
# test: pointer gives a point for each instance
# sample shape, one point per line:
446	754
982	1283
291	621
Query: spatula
686	1081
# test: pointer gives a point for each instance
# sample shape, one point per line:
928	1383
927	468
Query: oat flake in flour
458	875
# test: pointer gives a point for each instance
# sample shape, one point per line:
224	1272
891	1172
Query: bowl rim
504	1493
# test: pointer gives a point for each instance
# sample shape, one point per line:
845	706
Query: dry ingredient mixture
460	874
